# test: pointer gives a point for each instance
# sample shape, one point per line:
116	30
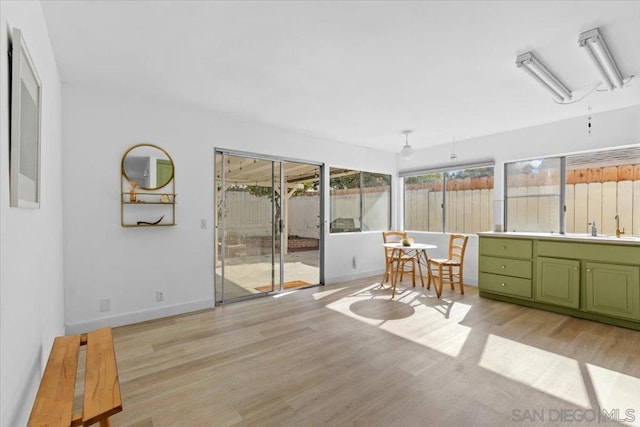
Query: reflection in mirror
148	166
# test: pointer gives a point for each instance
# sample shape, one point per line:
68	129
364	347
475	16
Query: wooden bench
54	402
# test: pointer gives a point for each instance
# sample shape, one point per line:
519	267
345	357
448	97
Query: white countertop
570	237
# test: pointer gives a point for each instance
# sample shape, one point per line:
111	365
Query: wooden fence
593	194
586	202
468	211
250	215
596	194
469	205
376	204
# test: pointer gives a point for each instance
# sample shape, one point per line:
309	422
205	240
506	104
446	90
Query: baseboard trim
353	276
377	275
138	316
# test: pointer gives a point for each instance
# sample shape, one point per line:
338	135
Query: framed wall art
26	100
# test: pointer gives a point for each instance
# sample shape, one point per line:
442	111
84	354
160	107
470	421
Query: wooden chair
450	269
392	260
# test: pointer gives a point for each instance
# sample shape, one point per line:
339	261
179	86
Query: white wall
31	287
103	260
609	129
127	265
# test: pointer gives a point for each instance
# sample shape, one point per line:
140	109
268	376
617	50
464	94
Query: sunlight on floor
284	294
615	390
408	315
321	294
252	275
445	333
549	372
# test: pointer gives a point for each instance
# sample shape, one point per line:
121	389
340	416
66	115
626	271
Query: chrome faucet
594	229
618	232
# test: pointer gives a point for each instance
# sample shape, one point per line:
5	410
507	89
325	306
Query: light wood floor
347	355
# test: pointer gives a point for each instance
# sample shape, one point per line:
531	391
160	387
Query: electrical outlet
105	304
159	296
203	224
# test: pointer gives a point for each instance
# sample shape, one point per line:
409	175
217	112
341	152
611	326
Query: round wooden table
418	251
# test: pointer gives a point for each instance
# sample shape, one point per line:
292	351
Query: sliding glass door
267	226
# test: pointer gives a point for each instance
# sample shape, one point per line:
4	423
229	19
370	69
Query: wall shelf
149	225
149	199
148	189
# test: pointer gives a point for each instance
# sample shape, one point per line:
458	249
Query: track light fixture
536	69
595	46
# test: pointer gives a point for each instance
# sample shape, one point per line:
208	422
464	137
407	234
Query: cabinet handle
504	247
588	270
503	284
575	268
503	267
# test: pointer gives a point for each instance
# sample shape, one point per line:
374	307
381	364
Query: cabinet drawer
598	252
506	266
513	248
507	285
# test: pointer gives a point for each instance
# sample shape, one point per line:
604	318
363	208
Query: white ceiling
357	72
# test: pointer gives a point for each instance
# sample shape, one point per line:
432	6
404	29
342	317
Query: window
453	200
360	201
423	198
376	202
600	186
532	195
596	187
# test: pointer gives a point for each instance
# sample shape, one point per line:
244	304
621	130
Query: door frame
218	229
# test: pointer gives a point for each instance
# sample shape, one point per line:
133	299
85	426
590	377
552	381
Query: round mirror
148	165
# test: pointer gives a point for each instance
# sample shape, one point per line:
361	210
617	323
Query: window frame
562	191
445	170
361	194
563	180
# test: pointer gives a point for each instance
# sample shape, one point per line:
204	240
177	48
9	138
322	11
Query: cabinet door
613	290
558	282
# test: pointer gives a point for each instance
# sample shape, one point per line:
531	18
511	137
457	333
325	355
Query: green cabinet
513	286
510	248
591	279
558	282
613	289
505	267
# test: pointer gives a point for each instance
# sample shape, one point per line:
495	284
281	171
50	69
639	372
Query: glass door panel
267	226
246	225
301	225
